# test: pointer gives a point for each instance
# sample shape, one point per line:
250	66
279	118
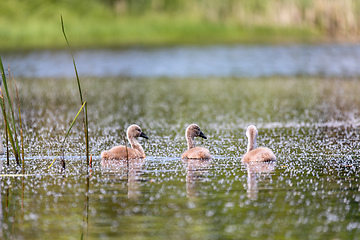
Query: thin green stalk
86	128
85	115
7	145
21	129
72	55
12	106
14	141
67	134
7	126
6	132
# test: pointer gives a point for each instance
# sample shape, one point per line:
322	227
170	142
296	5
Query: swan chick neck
251	134
192	131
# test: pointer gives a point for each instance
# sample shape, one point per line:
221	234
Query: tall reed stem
85	115
21	129
14	141
6	136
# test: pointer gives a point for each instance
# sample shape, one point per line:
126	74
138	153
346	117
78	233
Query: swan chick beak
202	135
143	135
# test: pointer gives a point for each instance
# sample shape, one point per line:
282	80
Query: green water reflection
311	192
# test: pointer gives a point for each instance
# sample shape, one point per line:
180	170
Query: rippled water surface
311	192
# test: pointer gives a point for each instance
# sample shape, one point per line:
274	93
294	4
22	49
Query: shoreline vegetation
34	24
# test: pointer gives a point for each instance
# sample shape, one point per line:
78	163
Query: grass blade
6	132
20	122
8	129
85	116
73	59
9	101
67	134
14	142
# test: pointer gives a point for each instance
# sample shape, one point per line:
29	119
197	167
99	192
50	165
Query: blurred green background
31	24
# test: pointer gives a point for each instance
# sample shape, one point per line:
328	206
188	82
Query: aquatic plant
11	130
20	122
85	115
67	134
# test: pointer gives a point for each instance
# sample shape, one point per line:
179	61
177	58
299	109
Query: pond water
312	191
340	60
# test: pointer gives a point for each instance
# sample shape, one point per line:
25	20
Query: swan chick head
251	132
193	130
135	131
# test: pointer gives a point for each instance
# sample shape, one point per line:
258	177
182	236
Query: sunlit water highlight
311	192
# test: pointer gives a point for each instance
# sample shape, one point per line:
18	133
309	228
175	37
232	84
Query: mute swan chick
122	152
194	152
262	154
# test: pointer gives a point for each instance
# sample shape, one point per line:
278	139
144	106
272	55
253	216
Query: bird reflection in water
196	171
130	170
254	170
